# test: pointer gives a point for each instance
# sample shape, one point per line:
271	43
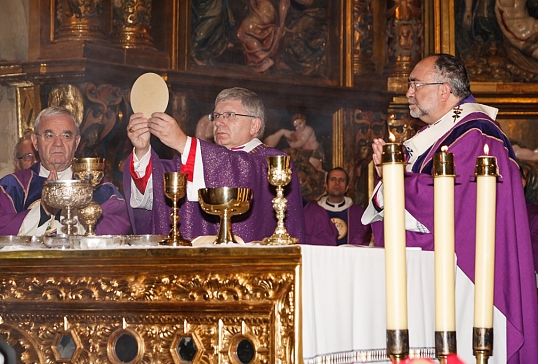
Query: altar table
344	307
217	304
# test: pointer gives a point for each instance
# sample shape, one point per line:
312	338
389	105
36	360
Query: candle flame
444	148
486	149
392	138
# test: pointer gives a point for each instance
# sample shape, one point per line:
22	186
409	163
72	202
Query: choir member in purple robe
22	212
345	215
439	94
237	160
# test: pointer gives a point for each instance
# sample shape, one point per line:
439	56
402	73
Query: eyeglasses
414	85
227	115
28	157
48	136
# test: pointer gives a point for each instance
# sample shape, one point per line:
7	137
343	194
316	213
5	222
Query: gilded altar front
168	305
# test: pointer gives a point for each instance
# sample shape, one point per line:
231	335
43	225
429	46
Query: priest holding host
439	94
22	210
238	159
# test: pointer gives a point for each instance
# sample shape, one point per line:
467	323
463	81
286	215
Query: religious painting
271	37
307	138
28	106
497	41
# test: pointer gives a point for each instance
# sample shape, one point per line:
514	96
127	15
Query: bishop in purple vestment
22	212
239	160
439	94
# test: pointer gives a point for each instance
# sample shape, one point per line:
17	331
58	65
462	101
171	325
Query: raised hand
138	133
166	128
377	147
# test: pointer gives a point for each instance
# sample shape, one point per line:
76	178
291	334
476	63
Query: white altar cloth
344	311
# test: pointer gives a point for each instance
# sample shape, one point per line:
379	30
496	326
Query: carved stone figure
261	31
212	25
404	31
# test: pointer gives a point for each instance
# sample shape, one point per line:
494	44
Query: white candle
394	231
65	323
486	179
443	229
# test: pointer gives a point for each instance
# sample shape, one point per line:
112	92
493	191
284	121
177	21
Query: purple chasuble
515	285
532	212
358	234
222	168
319	228
21	189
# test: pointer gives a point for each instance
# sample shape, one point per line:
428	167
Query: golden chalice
279	175
225	202
68	194
92	170
175	184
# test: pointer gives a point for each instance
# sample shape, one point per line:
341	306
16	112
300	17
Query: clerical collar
247	147
336	205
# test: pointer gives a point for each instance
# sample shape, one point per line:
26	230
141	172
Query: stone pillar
404	36
131	24
363	37
79	20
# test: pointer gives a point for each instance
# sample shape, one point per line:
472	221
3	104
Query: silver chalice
68	194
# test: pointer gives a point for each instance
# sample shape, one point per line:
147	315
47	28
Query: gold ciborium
92	170
175	184
279	175
225	202
68	194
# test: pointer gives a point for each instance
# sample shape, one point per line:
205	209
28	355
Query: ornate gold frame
216	296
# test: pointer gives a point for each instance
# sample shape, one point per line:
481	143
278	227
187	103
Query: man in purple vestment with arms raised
238	160
439	94
22	212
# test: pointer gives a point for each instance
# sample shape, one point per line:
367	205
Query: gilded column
363	37
131	24
404	36
79	20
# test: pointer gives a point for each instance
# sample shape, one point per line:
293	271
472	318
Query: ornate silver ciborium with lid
92	170
68	195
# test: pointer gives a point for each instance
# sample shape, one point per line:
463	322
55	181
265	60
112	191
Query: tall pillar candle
486	191
393	165
443	182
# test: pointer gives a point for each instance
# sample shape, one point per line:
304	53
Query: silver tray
101	241
62	241
22	241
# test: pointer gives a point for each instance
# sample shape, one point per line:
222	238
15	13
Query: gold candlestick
174	188
279	175
482	344
393	165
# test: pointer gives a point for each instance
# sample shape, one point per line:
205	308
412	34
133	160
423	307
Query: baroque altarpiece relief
343	65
